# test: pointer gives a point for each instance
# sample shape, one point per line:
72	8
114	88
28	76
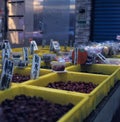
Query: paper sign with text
103	58
5	54
33	46
7	45
54	46
35	70
7	73
25	54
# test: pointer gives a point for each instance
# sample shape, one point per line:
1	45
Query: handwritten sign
25	54
7	45
35	67
54	46
5	54
102	58
33	47
7	73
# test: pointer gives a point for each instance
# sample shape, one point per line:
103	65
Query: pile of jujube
18	78
84	87
32	109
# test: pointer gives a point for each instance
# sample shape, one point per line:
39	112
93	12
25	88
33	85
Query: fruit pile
83	87
32	109
18	78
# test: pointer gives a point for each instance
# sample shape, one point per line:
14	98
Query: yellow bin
76	114
27	71
95	96
104	69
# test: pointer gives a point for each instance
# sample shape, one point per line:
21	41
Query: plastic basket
95	96
27	71
105	69
77	113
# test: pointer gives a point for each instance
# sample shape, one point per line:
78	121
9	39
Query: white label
7	45
25	54
31	48
54	45
35	47
102	58
35	66
7	73
51	45
5	54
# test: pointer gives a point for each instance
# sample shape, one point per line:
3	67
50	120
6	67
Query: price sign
33	46
35	67
54	46
5	54
7	73
7	45
25	54
102	58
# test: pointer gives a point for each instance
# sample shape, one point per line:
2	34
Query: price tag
25	54
35	67
7	73
7	45
31	48
54	46
5	54
51	45
34	45
102	58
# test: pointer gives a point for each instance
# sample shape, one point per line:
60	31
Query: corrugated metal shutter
106	20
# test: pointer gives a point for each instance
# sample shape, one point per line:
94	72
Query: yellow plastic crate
95	96
27	71
105	69
76	114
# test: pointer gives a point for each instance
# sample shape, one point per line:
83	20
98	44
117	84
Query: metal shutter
105	20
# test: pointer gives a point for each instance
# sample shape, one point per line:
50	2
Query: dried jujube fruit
32	109
84	87
18	78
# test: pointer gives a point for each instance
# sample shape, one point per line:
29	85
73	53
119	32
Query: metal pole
5	20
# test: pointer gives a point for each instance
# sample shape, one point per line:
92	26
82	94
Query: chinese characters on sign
33	47
25	54
35	67
7	73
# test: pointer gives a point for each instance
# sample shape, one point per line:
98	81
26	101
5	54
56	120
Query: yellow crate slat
103	68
